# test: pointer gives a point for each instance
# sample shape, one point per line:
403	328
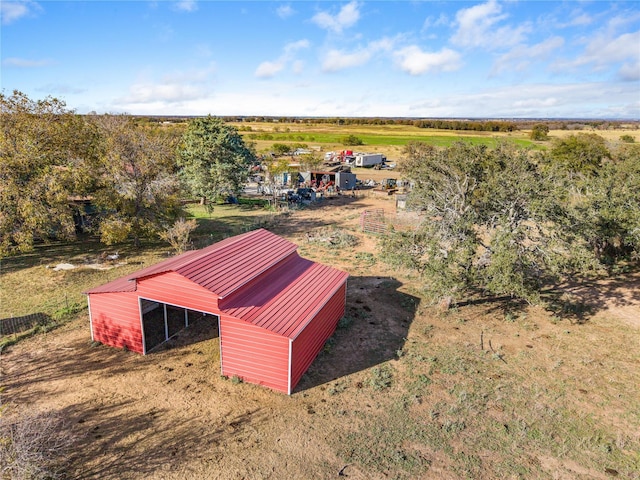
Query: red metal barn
275	309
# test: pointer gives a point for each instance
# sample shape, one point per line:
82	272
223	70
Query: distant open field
391	139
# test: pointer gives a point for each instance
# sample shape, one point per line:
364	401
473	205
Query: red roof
286	291
221	268
288	296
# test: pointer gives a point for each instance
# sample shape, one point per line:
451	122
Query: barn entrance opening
161	321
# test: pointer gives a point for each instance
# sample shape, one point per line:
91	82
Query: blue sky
575	59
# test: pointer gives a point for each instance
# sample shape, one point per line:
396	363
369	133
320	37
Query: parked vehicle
369	159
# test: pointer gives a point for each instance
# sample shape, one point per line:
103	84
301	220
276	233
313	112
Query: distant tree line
462	124
474	125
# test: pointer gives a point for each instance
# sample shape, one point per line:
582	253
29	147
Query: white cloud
285	11
172	88
535	101
269	69
415	61
58	88
630	72
170	93
292	47
571	100
604	51
348	16
431	22
24	63
186	5
12	11
335	60
521	56
478	27
297	67
580	20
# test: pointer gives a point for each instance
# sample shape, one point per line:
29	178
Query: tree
493	222
275	168
45	157
281	149
352	140
582	153
213	158
310	161
137	188
539	131
608	208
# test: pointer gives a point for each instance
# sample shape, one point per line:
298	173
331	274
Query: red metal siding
173	288
115	319
254	354
312	338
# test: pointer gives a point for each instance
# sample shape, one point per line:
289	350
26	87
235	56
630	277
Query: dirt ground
170	415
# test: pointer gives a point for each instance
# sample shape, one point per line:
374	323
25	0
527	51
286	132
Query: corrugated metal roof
288	296
221	268
286	289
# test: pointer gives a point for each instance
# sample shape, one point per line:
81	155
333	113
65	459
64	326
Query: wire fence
13	325
52	311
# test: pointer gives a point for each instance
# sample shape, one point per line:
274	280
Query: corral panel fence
372	221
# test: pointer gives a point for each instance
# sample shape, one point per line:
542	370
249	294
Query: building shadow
374	329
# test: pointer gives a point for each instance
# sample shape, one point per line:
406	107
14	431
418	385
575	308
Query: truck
369	159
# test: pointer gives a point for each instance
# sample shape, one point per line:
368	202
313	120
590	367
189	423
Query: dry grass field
402	390
391	139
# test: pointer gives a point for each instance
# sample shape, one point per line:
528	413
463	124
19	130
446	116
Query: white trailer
369	159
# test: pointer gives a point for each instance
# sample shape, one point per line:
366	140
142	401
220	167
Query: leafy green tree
213	158
137	187
608	208
281	148
45	154
310	161
539	132
580	153
627	138
352	140
493	222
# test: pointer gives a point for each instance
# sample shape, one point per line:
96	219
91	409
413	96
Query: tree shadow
373	330
31	373
579	300
576	300
111	444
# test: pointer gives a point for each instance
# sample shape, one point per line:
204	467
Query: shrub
33	445
352	140
178	234
380	378
539	132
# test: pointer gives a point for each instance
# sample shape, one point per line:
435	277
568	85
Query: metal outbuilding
274	309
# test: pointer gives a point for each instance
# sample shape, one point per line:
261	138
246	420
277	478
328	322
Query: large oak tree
45	155
494	222
213	158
